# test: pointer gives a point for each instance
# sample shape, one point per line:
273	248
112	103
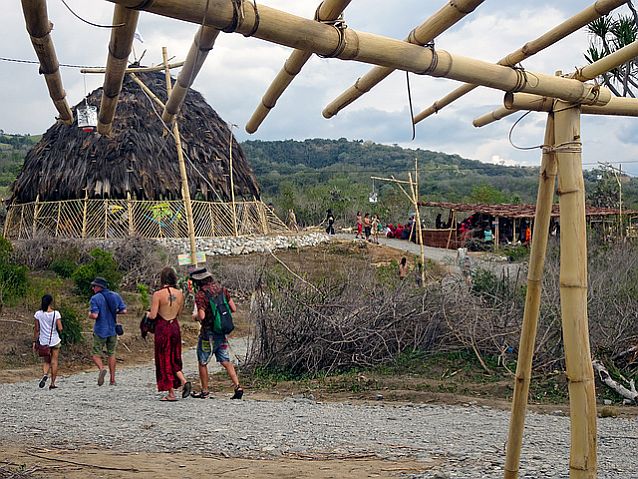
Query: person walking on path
359	234
330	220
166	306
375	229
104	307
210	342
367	226
46	329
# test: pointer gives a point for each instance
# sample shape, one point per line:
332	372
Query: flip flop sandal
53	387
43	381
167	399
100	377
201	395
239	392
187	389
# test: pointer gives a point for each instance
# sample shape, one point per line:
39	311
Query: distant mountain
13	149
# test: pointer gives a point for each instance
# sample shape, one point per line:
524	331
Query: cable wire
88	22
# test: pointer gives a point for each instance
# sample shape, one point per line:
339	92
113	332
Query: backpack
222	321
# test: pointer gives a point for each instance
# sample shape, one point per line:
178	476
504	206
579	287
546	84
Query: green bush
71	326
13	277
63	267
102	265
144	296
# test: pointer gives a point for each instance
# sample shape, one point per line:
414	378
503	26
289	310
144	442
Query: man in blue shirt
104	307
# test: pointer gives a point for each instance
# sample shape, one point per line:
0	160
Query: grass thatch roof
138	158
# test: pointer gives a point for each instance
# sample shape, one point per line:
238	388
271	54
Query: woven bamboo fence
104	218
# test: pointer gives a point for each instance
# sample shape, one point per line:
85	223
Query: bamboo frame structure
617	106
156	68
119	50
39	28
287	29
546	185
440	21
124	218
328	10
569	26
202	44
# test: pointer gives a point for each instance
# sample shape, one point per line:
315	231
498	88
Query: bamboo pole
57	222
328	10
106	218
116	63
617	106
497	234
147	90
286	29
35	214
84	209
21	222
129	208
8	219
186	194
452	228
202	44
573	292
444	18
569	26
39	28
232	181
156	68
417	223
544	200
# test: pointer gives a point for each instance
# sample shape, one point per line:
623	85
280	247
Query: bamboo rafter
147	219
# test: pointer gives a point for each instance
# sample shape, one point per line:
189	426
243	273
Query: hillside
13	149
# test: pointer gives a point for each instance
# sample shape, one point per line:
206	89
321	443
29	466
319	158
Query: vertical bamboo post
8	219
573	292
106	218
84	209
212	222
57	222
452	228
232	182
21	221
35	214
544	199
513	230
261	212
186	195
129	208
417	222
497	234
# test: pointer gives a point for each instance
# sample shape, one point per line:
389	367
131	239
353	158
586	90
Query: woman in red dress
166	306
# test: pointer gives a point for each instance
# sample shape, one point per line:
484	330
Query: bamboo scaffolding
146	90
440	21
286	29
202	44
186	194
573	292
546	185
119	50
39	28
569	26
328	10
156	68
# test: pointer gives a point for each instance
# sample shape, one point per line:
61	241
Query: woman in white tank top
46	331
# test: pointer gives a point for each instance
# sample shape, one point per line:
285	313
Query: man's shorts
100	343
220	348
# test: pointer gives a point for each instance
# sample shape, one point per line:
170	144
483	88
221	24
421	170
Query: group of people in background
167	305
368	227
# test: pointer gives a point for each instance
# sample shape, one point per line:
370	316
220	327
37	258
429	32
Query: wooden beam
286	29
440	21
156	68
569	26
328	10
202	44
116	63
39	28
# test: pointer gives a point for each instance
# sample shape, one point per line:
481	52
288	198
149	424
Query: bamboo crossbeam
617	106
156	68
39	27
607	63
202	44
546	185
328	10
286	29
119	50
569	26
146	90
444	18
573	292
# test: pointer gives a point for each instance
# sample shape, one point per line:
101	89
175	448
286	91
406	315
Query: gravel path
468	440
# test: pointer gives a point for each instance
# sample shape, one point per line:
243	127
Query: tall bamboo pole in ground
573	292
186	194
232	181
119	50
544	199
39	28
328	10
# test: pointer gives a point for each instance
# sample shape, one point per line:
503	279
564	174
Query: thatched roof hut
139	159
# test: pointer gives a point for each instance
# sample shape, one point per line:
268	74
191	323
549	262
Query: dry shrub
141	260
40	251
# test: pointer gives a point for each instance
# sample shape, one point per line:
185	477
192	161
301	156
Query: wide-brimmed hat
200	274
101	282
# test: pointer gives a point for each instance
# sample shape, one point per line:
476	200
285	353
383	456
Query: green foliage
486	194
516	252
63	267
13	277
102	265
71	326
144	296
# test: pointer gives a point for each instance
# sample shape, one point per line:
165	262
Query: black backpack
222	319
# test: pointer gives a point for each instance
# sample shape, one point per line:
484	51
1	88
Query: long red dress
168	353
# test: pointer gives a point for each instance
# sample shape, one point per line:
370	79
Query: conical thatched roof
139	159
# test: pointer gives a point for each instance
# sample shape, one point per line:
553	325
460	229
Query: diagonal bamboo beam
569	26
202	44
617	106
157	68
328	10
39	27
286	29
443	19
116	63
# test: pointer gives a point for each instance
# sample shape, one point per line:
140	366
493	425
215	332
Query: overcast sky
239	69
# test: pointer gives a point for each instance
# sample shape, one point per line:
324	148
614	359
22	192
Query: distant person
211	343
292	220
166	306
104	307
439	222
330	221
403	268
367	226
46	329
488	236
528	235
376	226
359	234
